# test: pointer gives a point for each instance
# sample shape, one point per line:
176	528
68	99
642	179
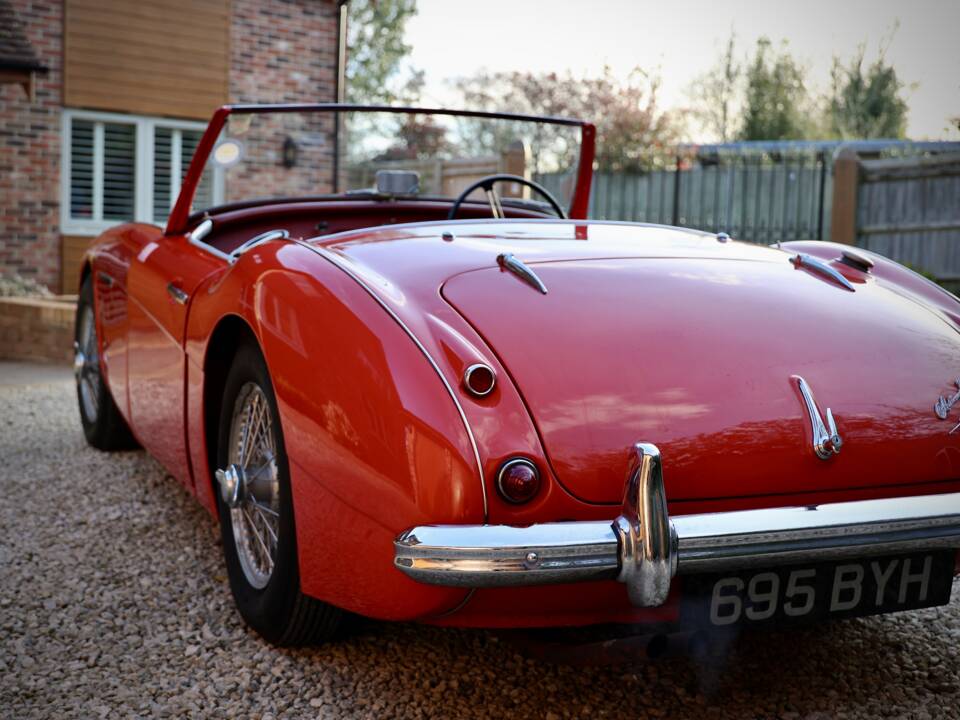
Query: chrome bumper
645	548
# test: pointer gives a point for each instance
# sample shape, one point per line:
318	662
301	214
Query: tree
715	95
866	104
776	106
419	137
376	51
632	131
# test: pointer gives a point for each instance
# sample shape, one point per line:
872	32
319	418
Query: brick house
103	101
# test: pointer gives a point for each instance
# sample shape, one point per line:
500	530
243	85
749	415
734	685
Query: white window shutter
162	141
118	168
119	171
81	169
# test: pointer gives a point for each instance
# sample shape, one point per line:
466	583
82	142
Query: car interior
237	226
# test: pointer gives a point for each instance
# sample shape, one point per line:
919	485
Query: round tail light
479	380
518	480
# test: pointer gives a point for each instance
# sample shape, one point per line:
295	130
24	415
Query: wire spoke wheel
86	364
104	425
255	505
256	517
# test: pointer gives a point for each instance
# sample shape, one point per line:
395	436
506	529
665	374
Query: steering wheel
496	208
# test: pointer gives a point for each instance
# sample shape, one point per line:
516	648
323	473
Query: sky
681	39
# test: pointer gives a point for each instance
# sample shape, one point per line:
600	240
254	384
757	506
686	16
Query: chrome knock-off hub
232	485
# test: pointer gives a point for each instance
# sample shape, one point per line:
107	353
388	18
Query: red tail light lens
479	380
518	480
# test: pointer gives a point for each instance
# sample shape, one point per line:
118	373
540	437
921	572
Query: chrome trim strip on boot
644	548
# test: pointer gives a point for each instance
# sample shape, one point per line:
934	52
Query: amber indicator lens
518	480
479	380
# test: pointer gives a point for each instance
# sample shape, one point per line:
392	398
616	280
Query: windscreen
262	156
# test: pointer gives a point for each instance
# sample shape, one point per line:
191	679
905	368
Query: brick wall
283	51
30	154
280	51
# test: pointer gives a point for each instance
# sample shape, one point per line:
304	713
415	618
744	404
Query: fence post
515	160
846	184
676	194
822	192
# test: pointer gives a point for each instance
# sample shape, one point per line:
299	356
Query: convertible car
386	348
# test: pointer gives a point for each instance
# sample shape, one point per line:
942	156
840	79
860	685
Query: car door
161	281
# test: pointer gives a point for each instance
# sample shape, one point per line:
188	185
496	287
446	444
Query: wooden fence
909	210
753	196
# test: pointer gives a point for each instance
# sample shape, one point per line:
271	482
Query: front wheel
256	512
103	425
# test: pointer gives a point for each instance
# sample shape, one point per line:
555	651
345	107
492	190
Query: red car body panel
698	355
647	334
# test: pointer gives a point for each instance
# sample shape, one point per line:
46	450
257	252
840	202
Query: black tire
279	611
103	424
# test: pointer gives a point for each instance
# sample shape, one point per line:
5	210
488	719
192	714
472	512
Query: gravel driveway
114	602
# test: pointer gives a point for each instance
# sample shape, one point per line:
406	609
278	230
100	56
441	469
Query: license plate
803	593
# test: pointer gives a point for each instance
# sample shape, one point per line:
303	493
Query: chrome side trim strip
337	262
508	261
809	261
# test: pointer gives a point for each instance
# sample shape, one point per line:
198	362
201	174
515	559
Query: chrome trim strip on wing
645	549
337	262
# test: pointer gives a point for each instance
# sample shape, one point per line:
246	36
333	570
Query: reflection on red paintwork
646	334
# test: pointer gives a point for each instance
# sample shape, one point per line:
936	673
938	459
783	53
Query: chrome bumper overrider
645	548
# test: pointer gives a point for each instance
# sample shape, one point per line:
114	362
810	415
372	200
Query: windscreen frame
179	218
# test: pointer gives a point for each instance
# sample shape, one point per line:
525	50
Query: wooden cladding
72	248
164	57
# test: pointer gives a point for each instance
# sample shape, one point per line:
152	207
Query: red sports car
386	348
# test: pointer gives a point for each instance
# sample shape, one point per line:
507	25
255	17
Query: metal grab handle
261	238
818	266
178	295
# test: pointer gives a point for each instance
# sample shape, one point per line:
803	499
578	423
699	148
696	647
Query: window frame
145	129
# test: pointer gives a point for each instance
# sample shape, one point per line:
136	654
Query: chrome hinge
818	266
508	262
